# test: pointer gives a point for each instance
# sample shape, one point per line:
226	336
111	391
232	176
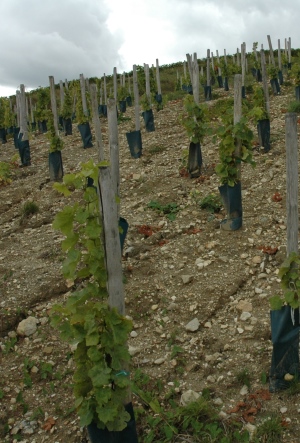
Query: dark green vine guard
100	381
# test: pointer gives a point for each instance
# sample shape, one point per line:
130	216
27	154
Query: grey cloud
59	38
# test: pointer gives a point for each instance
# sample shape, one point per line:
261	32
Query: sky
66	38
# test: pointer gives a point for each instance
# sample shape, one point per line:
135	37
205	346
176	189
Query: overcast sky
65	38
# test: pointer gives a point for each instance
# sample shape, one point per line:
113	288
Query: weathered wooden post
271	50
107	192
290	53
220	80
195	79
237	114
207	88
158	96
148	112
134	138
115	85
55	158
291	143
22	137
243	63
280	75
232	195
265	80
83	95
61	94
285	322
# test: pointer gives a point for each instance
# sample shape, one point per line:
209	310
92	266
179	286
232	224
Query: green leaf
70	263
62	188
64	220
70	241
276	302
155	406
100	375
85	413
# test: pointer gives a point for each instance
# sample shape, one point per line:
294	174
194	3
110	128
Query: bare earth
187	269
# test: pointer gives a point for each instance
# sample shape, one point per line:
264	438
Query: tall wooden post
290	50
83	96
62	95
136	100
96	123
114	148
158	78
279	56
195	70
115	85
147	76
243	60
208	68
218	59
271	50
237	113
291	145
264	80
18	107
23	116
53	104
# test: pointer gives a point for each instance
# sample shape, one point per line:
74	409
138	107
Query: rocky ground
198	296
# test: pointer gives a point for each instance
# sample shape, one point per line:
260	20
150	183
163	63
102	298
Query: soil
188	268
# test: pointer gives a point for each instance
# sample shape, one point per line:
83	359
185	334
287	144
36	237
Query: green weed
211	203
243	377
29	208
270	431
170	209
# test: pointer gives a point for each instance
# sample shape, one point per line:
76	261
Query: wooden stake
189	63
115	85
264	80
237	114
114	148
218	59
83	96
271	51
147	78
136	100
23	117
195	70
243	60
53	104
208	68
158	78
105	89
291	144
279	56
18	107
96	123
62	95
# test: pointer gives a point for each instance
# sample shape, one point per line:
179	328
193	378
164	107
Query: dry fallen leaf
49	423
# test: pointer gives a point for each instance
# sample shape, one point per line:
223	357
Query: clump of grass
155	149
212	203
243	377
29	208
170	209
294	106
270	431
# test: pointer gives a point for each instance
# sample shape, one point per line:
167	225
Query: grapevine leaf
276	302
64	220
